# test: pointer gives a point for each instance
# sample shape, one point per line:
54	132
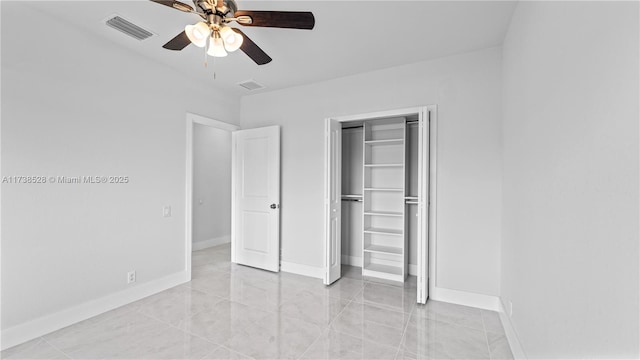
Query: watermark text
59	179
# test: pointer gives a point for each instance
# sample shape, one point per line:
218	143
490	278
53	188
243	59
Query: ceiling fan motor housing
231	8
208	7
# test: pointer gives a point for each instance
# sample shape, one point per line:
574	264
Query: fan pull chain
214	68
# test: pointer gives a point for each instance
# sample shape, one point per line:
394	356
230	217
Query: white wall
83	106
570	216
467	90
211	185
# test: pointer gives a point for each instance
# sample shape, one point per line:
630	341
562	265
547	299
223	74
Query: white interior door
333	198
255	235
423	207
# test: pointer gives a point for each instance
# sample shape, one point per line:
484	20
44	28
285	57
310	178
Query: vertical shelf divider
384	239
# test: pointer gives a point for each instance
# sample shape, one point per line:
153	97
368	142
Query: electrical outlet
166	211
131	277
510	308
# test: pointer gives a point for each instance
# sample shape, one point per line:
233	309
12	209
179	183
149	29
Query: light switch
166	211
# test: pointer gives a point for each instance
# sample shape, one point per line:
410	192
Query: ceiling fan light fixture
198	33
232	40
216	46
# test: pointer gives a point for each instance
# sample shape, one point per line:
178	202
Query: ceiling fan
218	38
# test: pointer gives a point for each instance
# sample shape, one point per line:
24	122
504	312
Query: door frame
193	119
429	240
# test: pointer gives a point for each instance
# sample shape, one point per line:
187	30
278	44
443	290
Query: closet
379	195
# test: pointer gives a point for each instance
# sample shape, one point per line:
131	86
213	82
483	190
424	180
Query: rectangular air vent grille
128	28
251	85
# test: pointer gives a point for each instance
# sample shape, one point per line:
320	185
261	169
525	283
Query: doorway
393	192
208	202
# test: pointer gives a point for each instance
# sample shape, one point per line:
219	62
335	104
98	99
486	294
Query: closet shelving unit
385	248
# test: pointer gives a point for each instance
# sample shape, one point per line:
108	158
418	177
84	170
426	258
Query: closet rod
360	126
352	200
350	196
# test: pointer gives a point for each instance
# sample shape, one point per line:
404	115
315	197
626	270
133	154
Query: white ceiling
350	37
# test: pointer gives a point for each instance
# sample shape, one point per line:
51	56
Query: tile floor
235	312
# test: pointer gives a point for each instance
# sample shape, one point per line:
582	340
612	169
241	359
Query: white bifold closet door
333	201
426	171
255	231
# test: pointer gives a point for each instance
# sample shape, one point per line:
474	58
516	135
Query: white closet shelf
392	250
383	165
398	141
383	189
384	161
393	273
381	213
383	231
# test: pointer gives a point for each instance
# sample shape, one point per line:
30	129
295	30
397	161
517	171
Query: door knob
274	206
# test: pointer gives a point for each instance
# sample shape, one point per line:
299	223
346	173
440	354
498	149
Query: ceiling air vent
251	85
128	28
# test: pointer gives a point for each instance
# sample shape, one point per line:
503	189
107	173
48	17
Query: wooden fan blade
252	50
178	43
175	5
279	19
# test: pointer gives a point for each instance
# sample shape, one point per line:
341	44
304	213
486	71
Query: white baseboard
357	261
41	326
512	335
199	245
306	270
413	270
482	301
351	260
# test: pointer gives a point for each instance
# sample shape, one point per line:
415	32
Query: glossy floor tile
433	339
230	311
276	337
335	345
34	349
379	325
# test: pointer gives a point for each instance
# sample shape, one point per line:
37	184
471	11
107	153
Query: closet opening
380	181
